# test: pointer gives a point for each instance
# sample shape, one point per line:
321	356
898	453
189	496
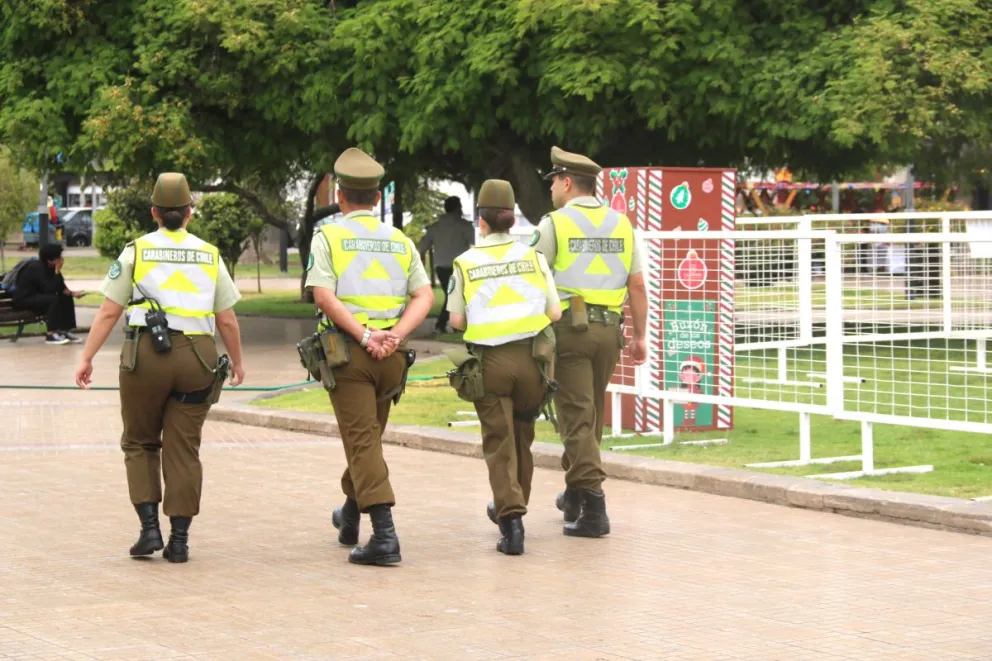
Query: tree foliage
18	196
246	96
127	216
228	222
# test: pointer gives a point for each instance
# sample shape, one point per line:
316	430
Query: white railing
851	343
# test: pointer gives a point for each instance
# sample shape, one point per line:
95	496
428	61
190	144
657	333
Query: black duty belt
598	314
195	397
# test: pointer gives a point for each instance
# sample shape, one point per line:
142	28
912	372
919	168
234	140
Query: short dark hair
364	198
50	252
581	182
452	204
172	217
499	220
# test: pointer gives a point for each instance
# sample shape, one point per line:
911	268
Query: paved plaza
683	576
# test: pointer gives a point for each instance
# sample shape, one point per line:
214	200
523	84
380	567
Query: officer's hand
639	351
382	344
84	374
237	374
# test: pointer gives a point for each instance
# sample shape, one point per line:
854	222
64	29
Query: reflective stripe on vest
372	263
505	293
179	271
593	260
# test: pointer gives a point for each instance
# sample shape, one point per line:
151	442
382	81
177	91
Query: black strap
195	397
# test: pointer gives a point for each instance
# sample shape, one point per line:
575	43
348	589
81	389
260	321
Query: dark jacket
36	278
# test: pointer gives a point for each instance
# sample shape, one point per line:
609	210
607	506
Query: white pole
615	414
867	448
980	353
805	281
805	442
783	367
945	258
668	421
835	326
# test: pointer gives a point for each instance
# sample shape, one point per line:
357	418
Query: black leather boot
511	528
347	519
592	521
491	512
569	501
178	548
383	547
150	539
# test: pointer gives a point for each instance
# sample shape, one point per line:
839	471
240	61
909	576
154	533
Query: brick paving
684	576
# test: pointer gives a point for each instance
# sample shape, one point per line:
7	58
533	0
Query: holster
397	392
466	378
545	353
335	348
211	394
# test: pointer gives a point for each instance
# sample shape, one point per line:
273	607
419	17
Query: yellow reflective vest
595	248
179	271
372	263
506	293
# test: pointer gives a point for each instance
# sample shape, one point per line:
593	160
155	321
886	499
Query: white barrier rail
851	343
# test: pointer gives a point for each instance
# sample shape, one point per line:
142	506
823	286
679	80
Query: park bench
20	318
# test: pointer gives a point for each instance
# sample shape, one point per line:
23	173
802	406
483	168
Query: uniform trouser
586	361
444	274
161	433
59	310
514	392
362	412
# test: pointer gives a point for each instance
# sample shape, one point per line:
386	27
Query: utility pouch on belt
312	358
466	378
129	352
577	313
335	348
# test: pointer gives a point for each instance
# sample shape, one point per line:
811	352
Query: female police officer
177	292
503	295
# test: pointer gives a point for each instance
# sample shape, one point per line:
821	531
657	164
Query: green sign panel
690	357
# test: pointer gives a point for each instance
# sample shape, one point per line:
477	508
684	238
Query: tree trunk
398	206
305	235
533	194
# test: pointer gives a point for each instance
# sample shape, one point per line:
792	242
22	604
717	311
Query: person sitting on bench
40	287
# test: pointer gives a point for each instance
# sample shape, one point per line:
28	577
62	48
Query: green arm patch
535	237
115	270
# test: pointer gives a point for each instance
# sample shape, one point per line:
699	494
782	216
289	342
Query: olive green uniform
359	396
514	392
586	362
159	431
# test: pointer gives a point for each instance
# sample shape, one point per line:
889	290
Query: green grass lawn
962	462
8	331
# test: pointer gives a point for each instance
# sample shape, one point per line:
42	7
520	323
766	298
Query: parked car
79	227
29	230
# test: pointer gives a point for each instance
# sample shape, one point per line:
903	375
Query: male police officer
503	295
362	273
596	259
168	375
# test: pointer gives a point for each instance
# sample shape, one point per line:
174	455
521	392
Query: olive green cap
496	194
171	190
564	162
356	170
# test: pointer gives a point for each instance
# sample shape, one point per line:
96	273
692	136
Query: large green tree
18	196
248	96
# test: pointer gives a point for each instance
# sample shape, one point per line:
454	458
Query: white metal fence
818	328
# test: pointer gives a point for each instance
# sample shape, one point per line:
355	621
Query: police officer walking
371	287
596	259
177	293
503	295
